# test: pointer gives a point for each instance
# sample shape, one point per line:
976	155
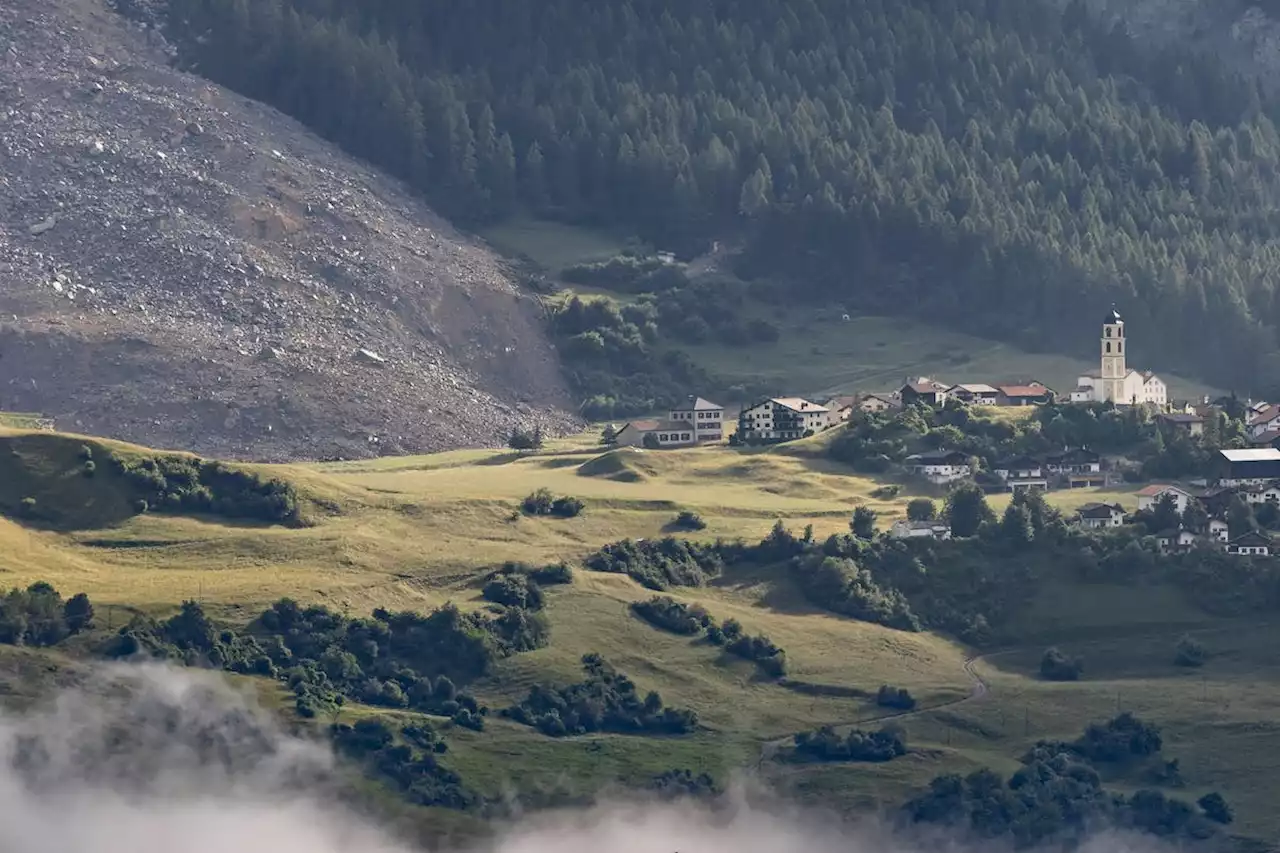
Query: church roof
1113	317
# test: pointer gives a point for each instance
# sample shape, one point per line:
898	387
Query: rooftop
1031	389
697	404
656	425
975	388
1257	454
797	404
1160	488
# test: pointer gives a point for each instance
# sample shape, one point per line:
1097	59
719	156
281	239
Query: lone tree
967	510
921	509
609	435
1215	808
863	524
1189	652
1056	666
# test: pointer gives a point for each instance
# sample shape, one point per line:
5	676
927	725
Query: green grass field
818	353
419	531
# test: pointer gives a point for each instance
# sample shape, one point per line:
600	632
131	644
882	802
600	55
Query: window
684	436
1108	346
1108	331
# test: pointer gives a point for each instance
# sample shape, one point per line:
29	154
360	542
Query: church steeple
1113	366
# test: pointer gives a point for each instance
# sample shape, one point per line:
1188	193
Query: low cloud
149	759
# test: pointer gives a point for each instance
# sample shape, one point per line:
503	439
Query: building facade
1114	381
706	418
782	419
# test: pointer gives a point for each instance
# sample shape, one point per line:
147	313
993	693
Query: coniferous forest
1002	165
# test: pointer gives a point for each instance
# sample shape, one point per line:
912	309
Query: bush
37	616
898	698
676	784
523	438
27	507
661	563
666	613
606	700
514	590
824	744
185	484
86	452
922	509
885	493
90	468
771	659
1215	808
687	520
542	502
1056	666
548	575
1189	652
567	507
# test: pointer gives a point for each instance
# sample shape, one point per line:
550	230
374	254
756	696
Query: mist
150	759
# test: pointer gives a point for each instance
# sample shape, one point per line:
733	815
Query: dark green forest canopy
998	163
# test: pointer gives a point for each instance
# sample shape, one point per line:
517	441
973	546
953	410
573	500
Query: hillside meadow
417	532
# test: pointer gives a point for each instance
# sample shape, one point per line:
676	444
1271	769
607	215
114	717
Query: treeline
664	612
995	161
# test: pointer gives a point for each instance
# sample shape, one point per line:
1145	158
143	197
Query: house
782	419
665	434
920	530
1022	472
1151	495
706	418
1255	466
940	466
974	394
1031	394
1261	494
1175	540
1267	420
841	407
1115	382
923	390
1270	438
1218	531
878	403
1094	516
1251	543
1077	461
1190	424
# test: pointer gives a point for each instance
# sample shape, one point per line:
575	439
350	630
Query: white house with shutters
706	418
782	419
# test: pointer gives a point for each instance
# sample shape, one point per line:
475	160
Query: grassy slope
820	353
418	531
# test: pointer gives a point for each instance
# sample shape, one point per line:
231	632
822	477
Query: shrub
885	493
824	744
606	700
90	468
760	649
514	590
666	613
567	507
1189	652
687	520
1056	666
523	438
898	698
675	784
184	484
86	452
922	509
659	563
542	502
1215	808
27	507
548	575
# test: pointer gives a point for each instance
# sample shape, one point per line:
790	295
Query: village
1196	511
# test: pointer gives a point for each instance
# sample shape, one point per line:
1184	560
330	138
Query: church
1116	383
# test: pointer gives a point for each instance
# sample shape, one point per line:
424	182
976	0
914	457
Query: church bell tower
1113	368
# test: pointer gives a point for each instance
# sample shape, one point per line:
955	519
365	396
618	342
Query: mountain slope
1005	167
183	267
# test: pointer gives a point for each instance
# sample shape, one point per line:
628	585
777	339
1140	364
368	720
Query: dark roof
925	387
1073	455
1252	538
1113	317
1268	437
1017	462
1181	418
1097	510
936	456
